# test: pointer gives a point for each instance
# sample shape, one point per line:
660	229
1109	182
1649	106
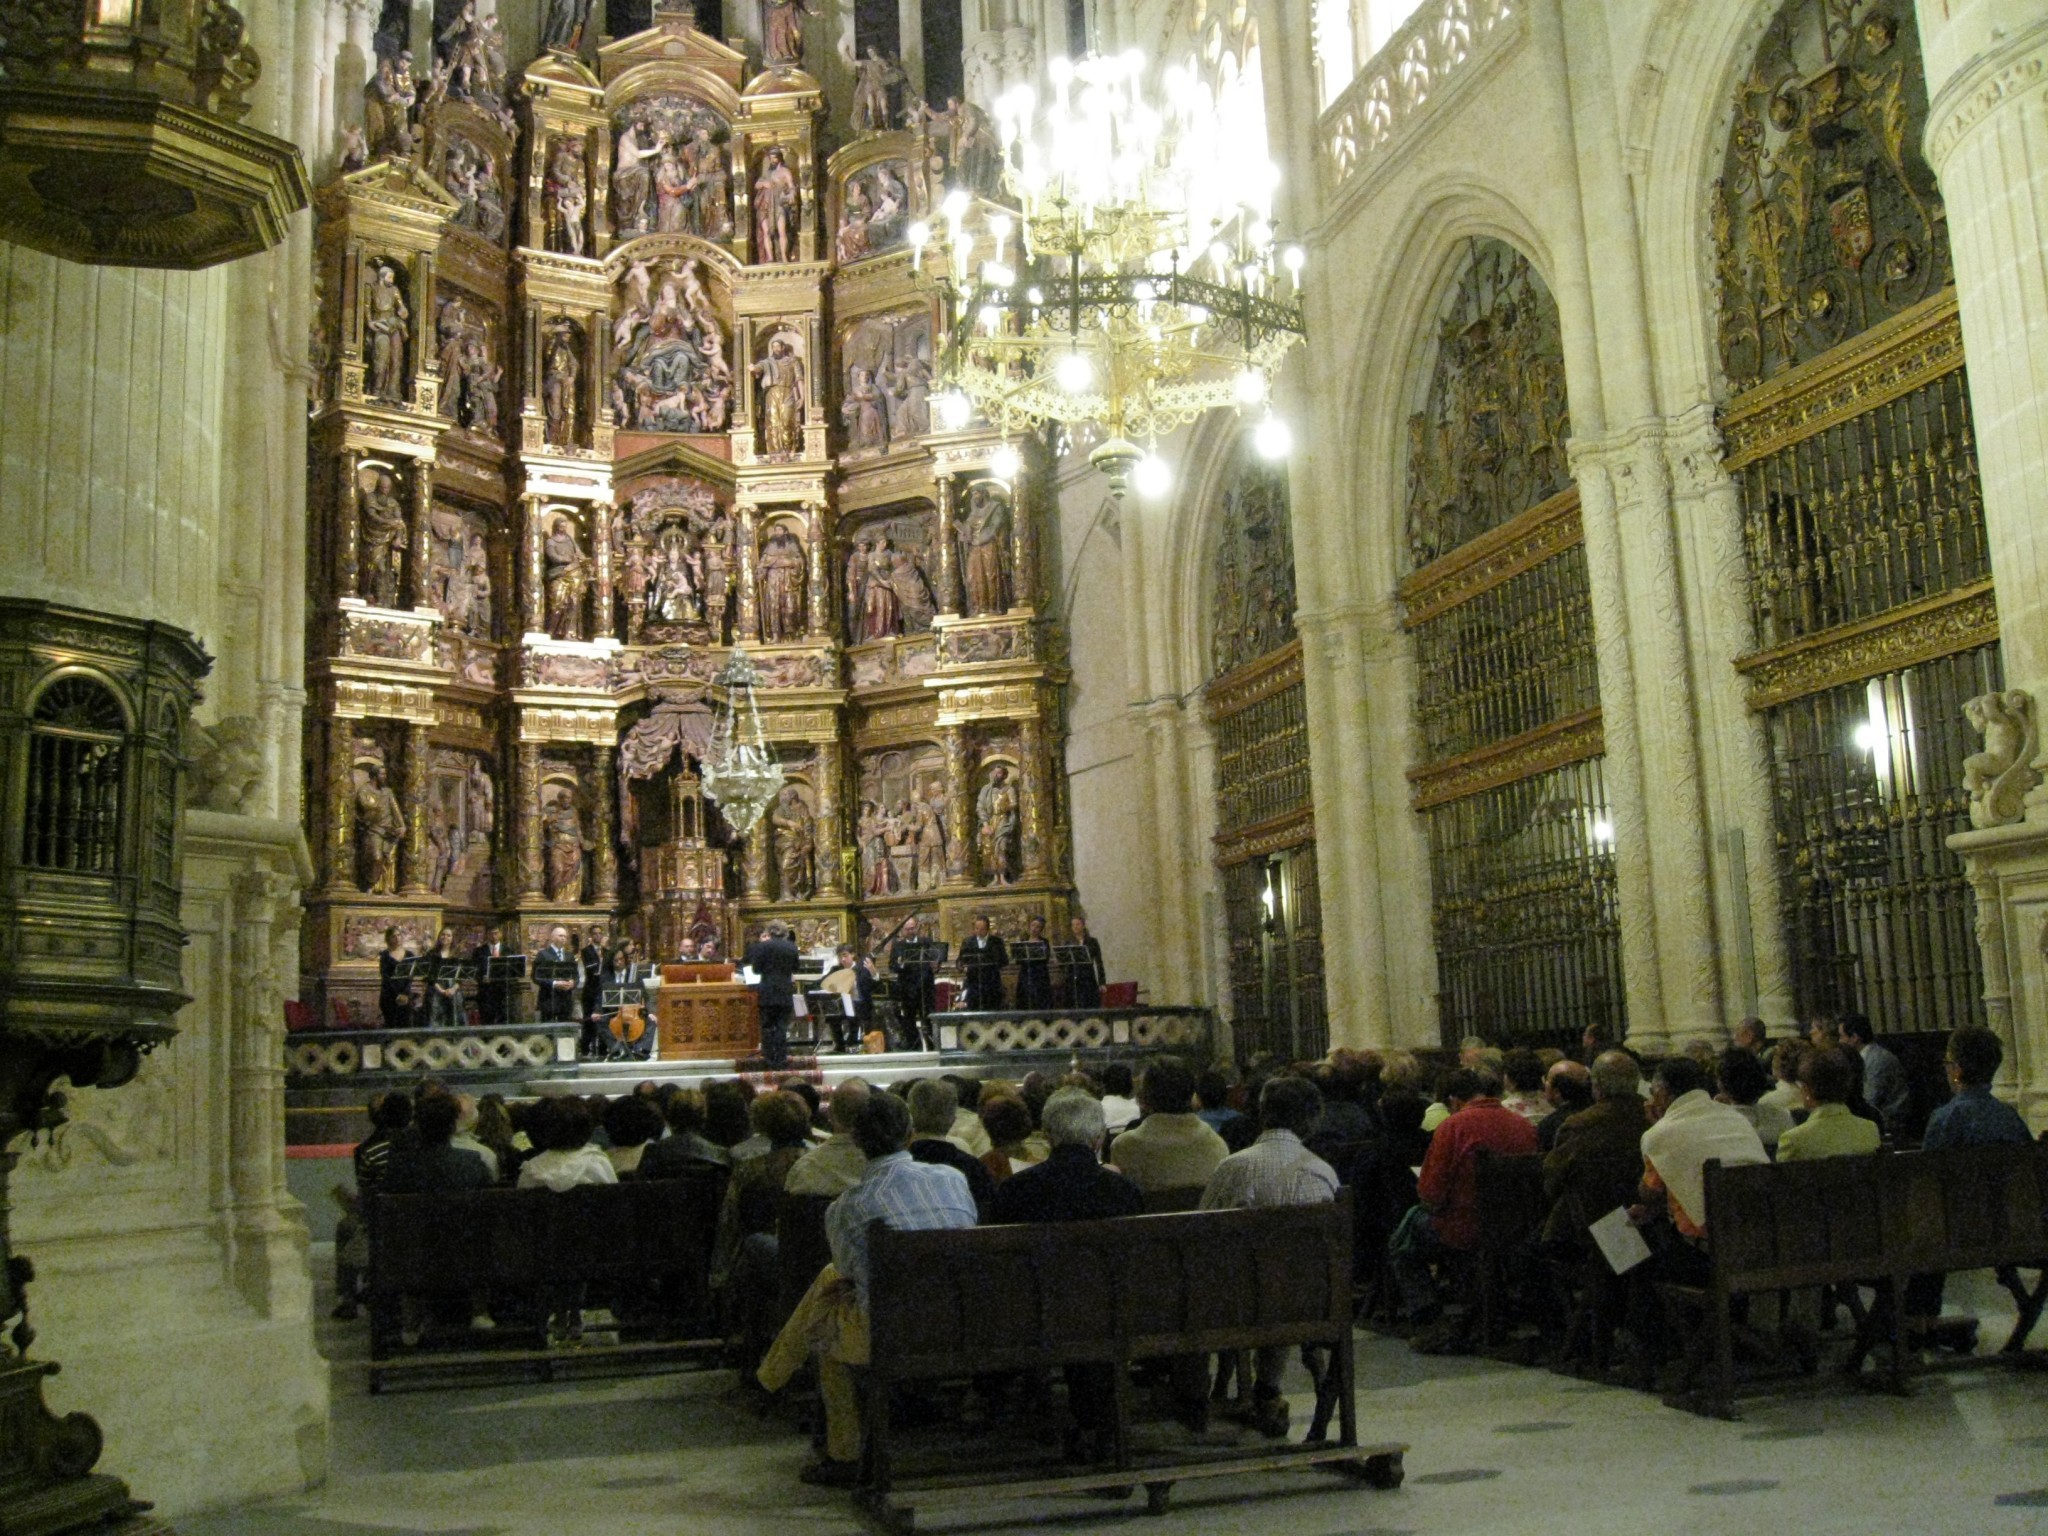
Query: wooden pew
643	1248
954	1304
1508	1199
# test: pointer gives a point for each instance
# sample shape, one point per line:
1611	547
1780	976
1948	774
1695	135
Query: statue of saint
710	187
995	817
775	209
388	100
380	828
782	587
866	413
383	542
781	374
872	78
562	24
562	832
931	840
881	611
631	179
558	386
854	213
568	196
782	32
795	843
389	325
985	554
567	575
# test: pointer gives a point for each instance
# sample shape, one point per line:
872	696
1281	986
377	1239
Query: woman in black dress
394	993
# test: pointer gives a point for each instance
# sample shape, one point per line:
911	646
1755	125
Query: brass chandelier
1145	288
740	776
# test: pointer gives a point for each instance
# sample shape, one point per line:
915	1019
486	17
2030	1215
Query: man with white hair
835	1164
774	958
1071	1184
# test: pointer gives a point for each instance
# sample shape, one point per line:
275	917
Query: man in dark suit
593	958
850	979
490	995
913	986
557	998
1034	971
773	957
984	956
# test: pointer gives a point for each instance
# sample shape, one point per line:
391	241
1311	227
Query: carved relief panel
890	561
885	372
1252	594
459	582
902	827
671	345
466	340
671	169
874	212
461	823
674	549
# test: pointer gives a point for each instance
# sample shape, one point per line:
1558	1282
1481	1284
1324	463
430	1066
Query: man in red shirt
1449	1182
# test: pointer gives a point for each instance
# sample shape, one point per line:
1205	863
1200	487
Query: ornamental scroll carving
1826	218
2000	777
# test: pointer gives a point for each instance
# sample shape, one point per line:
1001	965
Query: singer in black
984	957
490	995
394	993
444	988
1085	982
1034	970
914	984
557	998
774	958
593	957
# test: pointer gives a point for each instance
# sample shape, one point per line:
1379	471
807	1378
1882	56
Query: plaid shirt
901	1193
1274	1170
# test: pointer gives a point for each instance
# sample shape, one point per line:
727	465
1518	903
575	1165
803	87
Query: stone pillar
831	881
959	804
416	851
341	801
747	627
532	594
604	855
526	823
949	550
347	523
422	557
1035	841
256	1088
820	616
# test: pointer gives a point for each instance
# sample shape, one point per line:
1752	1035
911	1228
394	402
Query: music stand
500	974
546	973
1026	950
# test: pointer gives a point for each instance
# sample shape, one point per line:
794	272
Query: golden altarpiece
624	366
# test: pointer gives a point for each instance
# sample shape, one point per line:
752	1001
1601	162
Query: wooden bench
960	1303
1508	1201
1875	1220
642	1247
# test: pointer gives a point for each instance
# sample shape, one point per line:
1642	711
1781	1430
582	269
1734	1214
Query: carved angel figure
1999	777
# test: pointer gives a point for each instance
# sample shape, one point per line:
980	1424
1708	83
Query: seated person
1522	1071
1827	1075
1170	1148
903	1194
934	1106
1119	1105
631	1125
1687	1130
744	1250
834	1165
428	1164
1212	1095
1598	1160
968	1133
851	978
1567	1089
561	1130
1743	1081
685	1145
1882	1076
1784	1090
1013	1149
390	1119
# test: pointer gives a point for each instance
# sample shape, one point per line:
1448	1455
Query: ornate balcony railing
1434	51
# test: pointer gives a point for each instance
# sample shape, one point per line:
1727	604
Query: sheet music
1621	1245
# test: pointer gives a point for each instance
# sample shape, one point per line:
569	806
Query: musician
444	987
394	992
622	971
491	1001
984	956
1085	982
594	960
774	958
558	998
915	985
851	977
1034	975
687	953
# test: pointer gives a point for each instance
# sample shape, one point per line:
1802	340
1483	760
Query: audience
1784	1091
1883	1076
1212	1094
1826	1076
1687	1129
630	1124
1170	1148
1119	1106
493	1131
1598	1160
1567	1089
1345	1118
967	1132
1008	1120
835	1164
1522	1072
685	1145
561	1130
934	1107
390	1117
429	1163
725	1116
1743	1081
1749	1036
744	1252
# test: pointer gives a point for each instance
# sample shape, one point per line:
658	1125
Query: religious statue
354	153
380	828
559	374
562	23
382	521
795	844
880	615
851	242
470	53
968	141
709	186
567	196
931	839
632	181
782	32
1999	778
388	100
389	326
471	175
866	414
872	78
469	381
985	551
909	388
877	878
562	836
567	576
781	374
995	817
669	352
480	378
782	587
775	209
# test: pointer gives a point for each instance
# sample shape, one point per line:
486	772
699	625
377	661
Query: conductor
774	958
983	955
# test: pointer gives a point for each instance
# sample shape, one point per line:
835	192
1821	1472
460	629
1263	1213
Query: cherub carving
1999	777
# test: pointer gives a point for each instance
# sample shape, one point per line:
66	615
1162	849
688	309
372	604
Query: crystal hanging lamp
740	776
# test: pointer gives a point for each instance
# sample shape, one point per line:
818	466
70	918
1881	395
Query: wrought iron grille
1516	656
1278	1003
1870	514
1262	760
1528	938
1868	792
71	815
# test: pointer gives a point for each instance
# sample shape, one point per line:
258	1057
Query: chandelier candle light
1135	286
740	777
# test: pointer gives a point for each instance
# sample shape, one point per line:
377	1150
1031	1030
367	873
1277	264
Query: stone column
604	857
1023	537
256	1084
949	551
526	823
532	595
820	617
831	873
747	627
422	557
347	523
341	800
416	851
1035	842
959	805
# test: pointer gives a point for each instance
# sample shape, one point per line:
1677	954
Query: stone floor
1495	1449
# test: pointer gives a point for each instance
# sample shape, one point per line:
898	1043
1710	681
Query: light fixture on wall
1135	285
740	776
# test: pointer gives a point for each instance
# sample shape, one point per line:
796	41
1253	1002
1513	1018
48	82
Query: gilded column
831	874
754	861
748	627
526	822
603	618
949	550
533	601
821	579
1023	538
959	805
341	850
422	532
604	856
417	850
347	521
1031	800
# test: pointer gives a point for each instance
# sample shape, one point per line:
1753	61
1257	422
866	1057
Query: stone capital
2014	69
